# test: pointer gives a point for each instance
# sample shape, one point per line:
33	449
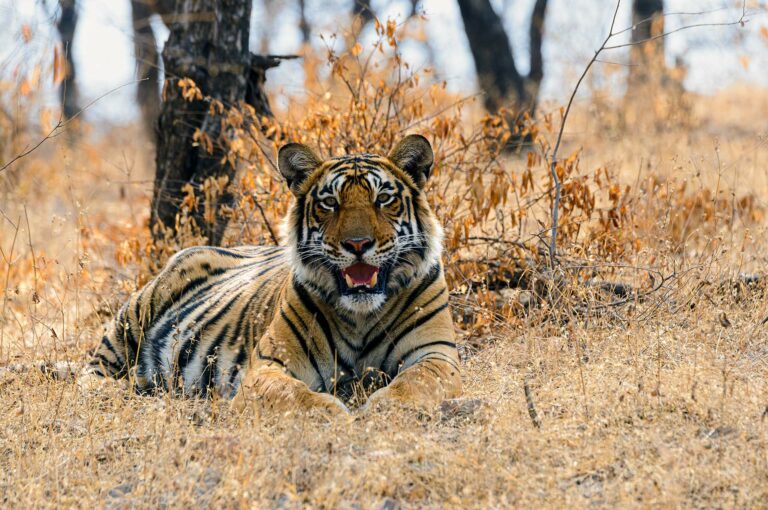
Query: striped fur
274	324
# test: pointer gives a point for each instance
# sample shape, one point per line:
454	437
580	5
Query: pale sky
574	28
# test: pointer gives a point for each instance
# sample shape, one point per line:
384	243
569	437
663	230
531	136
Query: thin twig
9	263
553	163
667	15
265	220
741	21
35	296
604	46
61	124
530	404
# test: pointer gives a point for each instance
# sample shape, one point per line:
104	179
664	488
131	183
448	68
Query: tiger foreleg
88	381
423	385
271	388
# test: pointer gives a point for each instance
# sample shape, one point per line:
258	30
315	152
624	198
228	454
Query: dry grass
660	403
670	413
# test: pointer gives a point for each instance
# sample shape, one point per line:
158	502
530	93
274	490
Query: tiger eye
330	202
384	199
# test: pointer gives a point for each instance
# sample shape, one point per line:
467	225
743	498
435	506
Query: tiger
354	294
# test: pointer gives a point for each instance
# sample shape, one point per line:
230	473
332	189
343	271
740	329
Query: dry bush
493	205
25	73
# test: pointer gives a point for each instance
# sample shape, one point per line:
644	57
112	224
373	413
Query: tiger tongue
360	274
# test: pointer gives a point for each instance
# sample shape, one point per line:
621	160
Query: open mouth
361	278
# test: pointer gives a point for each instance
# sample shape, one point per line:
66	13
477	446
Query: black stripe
269	308
194	342
301	321
200	289
369	166
153	288
423	306
215	249
186	353
235	370
429	355
128	329
238	363
304	347
211	369
177	294
105	342
405	355
194	282
309	304
116	370
160	336
298	225
349	322
371	345
246	307
416	216
430	278
415	324
273	360
338	164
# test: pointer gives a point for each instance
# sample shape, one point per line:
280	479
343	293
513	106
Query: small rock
284	502
209	481
707	433
118	491
516	298
463	408
390	504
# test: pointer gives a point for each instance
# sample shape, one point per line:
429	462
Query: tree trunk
646	16
647	59
414	6
66	26
494	61
536	38
147	64
209	44
497	73
257	77
362	14
655	95
306	30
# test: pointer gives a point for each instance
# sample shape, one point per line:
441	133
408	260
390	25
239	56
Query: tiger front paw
328	404
321	403
385	399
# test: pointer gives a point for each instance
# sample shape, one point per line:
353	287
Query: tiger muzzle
362	278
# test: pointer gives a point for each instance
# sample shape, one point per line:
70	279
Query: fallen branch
530	404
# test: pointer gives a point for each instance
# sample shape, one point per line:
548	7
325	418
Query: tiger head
360	228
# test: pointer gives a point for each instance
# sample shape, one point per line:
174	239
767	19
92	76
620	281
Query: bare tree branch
603	47
61	124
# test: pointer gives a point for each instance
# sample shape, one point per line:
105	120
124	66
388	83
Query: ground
662	402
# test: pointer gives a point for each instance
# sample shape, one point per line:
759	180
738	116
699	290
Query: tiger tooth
374	279
349	281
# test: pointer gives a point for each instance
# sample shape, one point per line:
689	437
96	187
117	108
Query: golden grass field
662	402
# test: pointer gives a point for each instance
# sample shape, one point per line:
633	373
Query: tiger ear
414	156
295	162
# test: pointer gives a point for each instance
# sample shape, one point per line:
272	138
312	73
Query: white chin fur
362	303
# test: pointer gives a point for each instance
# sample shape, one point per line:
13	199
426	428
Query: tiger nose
357	245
